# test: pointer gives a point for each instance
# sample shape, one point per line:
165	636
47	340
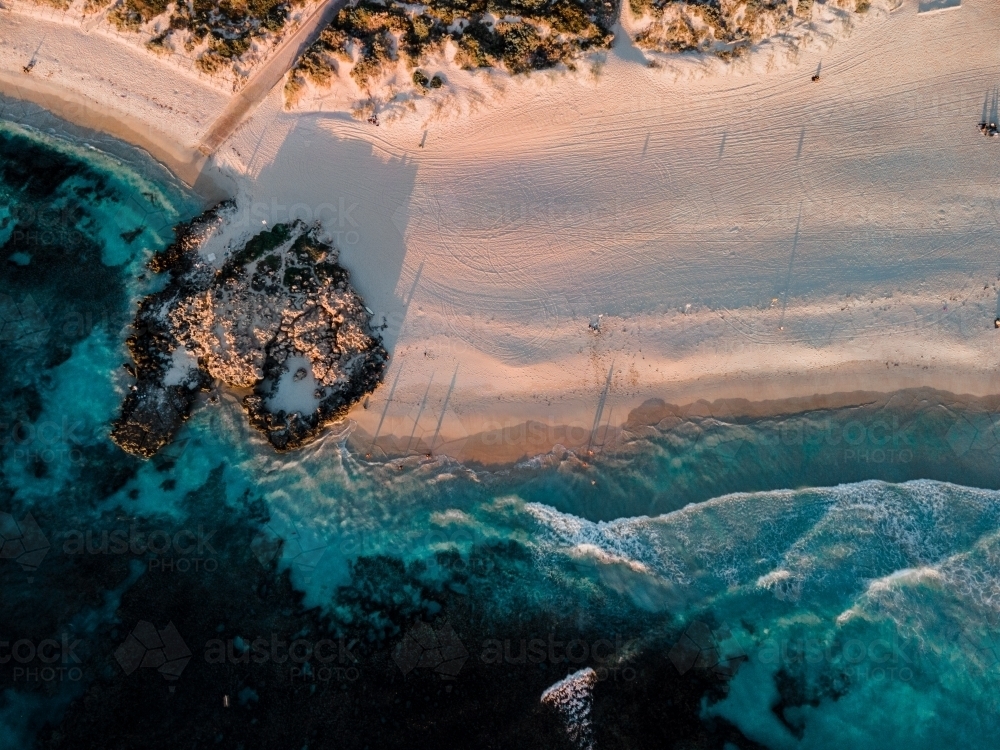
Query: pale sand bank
189	166
753	236
103	84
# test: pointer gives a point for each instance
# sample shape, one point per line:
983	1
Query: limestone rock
278	319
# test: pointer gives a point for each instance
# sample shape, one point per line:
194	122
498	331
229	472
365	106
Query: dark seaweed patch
50	192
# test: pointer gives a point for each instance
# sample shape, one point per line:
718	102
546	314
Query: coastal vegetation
725	28
517	36
371	42
217	33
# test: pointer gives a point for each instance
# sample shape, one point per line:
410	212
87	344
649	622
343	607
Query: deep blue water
818	580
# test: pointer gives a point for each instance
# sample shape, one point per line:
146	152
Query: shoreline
502	438
720	262
518	430
187	165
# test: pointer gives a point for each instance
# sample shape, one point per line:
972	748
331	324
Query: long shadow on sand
359	196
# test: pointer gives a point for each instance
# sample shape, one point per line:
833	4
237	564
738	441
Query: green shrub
293	88
147	9
518	46
229	48
156	44
376	54
211	62
522	48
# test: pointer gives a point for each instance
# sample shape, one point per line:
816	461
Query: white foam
789	543
573	697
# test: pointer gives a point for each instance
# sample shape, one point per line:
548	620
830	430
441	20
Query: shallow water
847	594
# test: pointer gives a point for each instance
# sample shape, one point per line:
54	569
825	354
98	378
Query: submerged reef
277	320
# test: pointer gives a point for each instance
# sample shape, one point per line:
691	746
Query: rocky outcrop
278	320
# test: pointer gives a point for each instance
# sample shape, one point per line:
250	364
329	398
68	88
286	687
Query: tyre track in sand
634	194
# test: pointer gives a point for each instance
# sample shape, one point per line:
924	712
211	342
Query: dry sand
749	234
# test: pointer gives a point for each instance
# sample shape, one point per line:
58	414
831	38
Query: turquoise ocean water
823	579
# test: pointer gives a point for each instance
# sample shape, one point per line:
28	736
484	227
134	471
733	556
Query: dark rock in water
279	319
154	409
151	415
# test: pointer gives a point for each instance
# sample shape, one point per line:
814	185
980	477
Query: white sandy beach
747	234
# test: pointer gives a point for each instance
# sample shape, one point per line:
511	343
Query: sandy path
268	76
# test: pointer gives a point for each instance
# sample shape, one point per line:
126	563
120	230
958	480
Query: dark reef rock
278	318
